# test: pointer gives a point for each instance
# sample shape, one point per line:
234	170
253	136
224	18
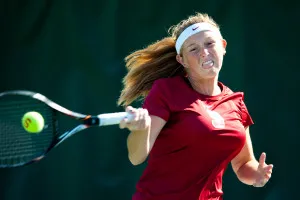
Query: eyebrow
190	45
193	43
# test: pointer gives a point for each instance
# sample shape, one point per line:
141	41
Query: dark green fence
73	51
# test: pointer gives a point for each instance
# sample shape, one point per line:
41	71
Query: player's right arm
144	129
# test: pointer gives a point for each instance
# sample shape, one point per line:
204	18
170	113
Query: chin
213	73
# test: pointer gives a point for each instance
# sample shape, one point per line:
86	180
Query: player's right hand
139	121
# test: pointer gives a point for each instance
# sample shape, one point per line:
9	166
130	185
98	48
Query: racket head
17	146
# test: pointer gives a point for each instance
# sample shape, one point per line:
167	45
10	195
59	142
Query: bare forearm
248	172
138	144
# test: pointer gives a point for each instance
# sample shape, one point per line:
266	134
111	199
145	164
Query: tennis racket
19	147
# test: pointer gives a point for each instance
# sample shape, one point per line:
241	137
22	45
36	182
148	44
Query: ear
179	59
224	45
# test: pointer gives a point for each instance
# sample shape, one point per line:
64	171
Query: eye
193	49
210	43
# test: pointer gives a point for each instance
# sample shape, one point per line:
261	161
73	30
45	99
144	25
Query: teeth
210	62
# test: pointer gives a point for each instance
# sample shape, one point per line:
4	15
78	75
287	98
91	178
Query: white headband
191	30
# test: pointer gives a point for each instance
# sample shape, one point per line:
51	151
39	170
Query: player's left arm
248	169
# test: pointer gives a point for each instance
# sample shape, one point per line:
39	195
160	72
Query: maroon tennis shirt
201	136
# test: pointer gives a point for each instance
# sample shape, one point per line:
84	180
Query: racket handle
112	118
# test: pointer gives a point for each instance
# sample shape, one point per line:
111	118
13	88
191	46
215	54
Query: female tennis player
191	126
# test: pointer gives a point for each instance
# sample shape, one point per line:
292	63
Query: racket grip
112	118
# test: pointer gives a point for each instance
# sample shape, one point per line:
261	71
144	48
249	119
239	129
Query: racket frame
87	121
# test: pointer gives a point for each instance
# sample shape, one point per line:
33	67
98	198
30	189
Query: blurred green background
73	52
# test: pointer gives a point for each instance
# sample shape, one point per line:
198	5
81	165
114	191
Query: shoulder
237	97
227	92
169	88
169	83
225	89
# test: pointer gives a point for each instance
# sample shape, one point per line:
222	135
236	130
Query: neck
208	87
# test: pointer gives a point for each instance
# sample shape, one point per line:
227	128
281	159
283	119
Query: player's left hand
264	172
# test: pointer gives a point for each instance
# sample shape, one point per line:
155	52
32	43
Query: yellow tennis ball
33	122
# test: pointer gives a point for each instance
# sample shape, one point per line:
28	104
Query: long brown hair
156	61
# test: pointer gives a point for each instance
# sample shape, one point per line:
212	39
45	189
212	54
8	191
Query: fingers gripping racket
19	147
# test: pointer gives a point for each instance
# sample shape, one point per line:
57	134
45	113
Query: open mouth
208	64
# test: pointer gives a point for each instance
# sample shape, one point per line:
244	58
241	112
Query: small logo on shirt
216	119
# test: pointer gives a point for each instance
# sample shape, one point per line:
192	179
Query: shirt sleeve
246	118
156	101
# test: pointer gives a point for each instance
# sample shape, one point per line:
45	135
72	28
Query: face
202	54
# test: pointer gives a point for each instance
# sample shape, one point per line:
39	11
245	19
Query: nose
204	52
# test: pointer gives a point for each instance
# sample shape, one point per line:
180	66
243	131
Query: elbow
138	147
245	180
242	179
247	172
136	161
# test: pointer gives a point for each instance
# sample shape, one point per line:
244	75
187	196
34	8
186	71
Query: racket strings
17	146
